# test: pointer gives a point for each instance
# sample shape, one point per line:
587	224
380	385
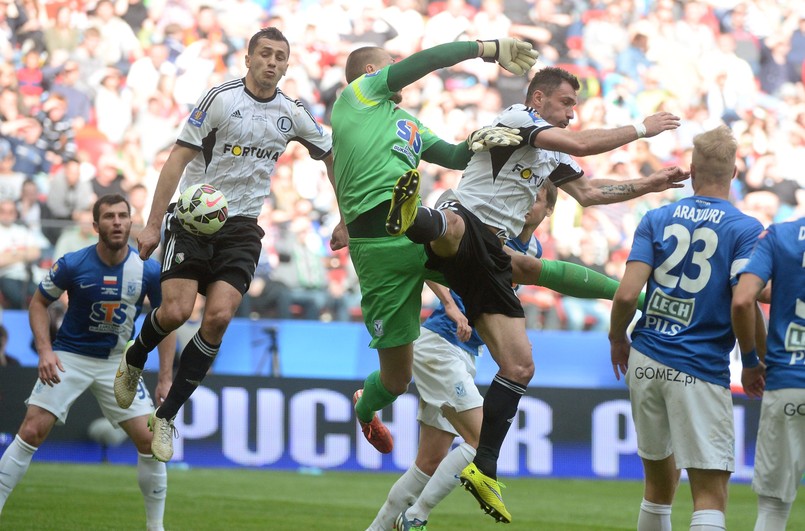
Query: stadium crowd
93	94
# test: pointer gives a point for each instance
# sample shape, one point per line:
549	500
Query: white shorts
676	413
444	376
97	375
780	451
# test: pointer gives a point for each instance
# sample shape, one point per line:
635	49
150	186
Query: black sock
500	408
429	224
149	337
197	358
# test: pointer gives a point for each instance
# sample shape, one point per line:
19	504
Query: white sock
708	520
654	517
403	493
152	476
442	482
772	514
13	465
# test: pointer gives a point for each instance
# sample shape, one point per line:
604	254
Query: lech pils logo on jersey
663	305
197	117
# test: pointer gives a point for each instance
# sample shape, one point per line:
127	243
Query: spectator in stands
69	193
20	248
30	156
113	105
62	35
58	135
6	359
78	235
301	267
34	213
89	57
110	177
79	104
118	43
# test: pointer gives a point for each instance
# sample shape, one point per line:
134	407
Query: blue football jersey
695	248
104	301
780	257
440	323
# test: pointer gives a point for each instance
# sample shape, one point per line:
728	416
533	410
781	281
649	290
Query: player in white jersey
231	140
676	364
106	284
779	257
464	236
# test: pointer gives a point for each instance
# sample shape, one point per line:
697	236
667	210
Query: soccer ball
202	209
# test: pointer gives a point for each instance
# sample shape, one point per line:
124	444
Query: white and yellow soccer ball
202	209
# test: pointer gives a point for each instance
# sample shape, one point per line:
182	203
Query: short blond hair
714	154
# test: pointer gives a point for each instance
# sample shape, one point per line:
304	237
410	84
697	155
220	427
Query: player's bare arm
180	156
603	191
595	141
624	306
744	312
49	363
463	328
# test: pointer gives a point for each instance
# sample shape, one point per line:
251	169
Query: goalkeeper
374	143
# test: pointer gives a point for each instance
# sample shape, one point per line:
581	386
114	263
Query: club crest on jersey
284	124
378	326
460	391
197	117
131	288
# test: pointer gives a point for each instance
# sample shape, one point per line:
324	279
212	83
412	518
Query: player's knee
32	434
397	387
519	370
172	315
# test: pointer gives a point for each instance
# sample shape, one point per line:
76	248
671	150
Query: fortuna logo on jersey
408	131
250	151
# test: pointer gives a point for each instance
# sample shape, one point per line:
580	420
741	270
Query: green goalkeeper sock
375	397
578	281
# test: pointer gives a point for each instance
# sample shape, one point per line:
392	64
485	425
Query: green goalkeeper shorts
391	272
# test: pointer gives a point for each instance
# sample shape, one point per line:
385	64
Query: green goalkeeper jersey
375	141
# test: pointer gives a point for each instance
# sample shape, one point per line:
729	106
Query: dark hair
108	199
357	61
272	34
551	194
549	79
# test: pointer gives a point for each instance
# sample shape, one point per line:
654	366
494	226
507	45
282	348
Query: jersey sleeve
310	133
760	263
203	120
56	280
643	244
566	170
746	242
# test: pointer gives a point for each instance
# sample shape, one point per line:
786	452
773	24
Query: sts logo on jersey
408	131
107	316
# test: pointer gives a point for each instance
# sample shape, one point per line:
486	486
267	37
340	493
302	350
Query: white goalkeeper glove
515	56
490	136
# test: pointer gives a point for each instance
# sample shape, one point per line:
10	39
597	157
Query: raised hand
515	56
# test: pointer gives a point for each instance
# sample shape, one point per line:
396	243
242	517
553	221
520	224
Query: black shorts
481	271
231	254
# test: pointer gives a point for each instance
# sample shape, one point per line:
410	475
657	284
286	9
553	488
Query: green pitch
103	497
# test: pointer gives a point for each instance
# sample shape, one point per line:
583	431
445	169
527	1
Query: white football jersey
500	186
241	138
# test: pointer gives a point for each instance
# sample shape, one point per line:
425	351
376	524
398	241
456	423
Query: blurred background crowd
94	93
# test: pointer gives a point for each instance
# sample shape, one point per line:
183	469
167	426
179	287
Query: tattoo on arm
618	190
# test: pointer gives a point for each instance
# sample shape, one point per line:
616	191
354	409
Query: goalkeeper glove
515	56
490	136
